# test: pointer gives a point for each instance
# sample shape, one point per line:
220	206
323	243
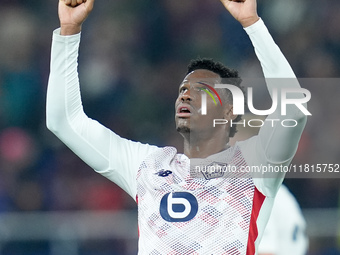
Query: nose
185	96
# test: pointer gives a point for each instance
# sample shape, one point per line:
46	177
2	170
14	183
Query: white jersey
285	231
178	214
218	215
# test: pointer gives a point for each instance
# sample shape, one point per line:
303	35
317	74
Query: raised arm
279	142
99	147
275	145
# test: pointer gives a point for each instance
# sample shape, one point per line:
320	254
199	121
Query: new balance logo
164	173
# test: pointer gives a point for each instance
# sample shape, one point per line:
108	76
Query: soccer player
285	232
179	213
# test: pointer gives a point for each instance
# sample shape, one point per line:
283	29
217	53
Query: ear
229	113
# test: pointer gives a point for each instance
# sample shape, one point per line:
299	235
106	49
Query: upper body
178	213
285	230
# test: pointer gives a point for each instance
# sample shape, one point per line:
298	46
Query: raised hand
244	11
72	14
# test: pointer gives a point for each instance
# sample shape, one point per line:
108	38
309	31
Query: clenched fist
72	14
74	3
244	11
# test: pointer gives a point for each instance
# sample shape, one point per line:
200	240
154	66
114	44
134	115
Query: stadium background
133	56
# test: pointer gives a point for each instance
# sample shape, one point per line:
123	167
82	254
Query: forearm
273	62
63	82
276	69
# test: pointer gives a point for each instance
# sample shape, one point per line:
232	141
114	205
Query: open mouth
183	111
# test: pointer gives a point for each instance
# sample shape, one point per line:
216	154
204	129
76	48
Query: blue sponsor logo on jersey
178	207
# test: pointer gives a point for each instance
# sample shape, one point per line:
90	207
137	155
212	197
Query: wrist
249	21
69	29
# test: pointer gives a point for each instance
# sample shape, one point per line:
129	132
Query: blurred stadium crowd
133	57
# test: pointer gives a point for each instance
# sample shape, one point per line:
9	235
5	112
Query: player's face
189	111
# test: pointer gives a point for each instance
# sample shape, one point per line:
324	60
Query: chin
183	129
182	125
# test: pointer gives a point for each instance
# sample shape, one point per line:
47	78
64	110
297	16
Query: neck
200	146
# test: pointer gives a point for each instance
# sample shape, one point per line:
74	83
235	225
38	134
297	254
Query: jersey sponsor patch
178	207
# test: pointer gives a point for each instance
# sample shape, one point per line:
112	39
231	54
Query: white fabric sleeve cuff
255	27
65	38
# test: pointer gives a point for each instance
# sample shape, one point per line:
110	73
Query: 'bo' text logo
178	207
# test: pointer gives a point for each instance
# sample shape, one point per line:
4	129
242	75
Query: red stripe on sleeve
137	204
253	232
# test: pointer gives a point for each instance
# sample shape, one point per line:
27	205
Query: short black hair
211	65
228	75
